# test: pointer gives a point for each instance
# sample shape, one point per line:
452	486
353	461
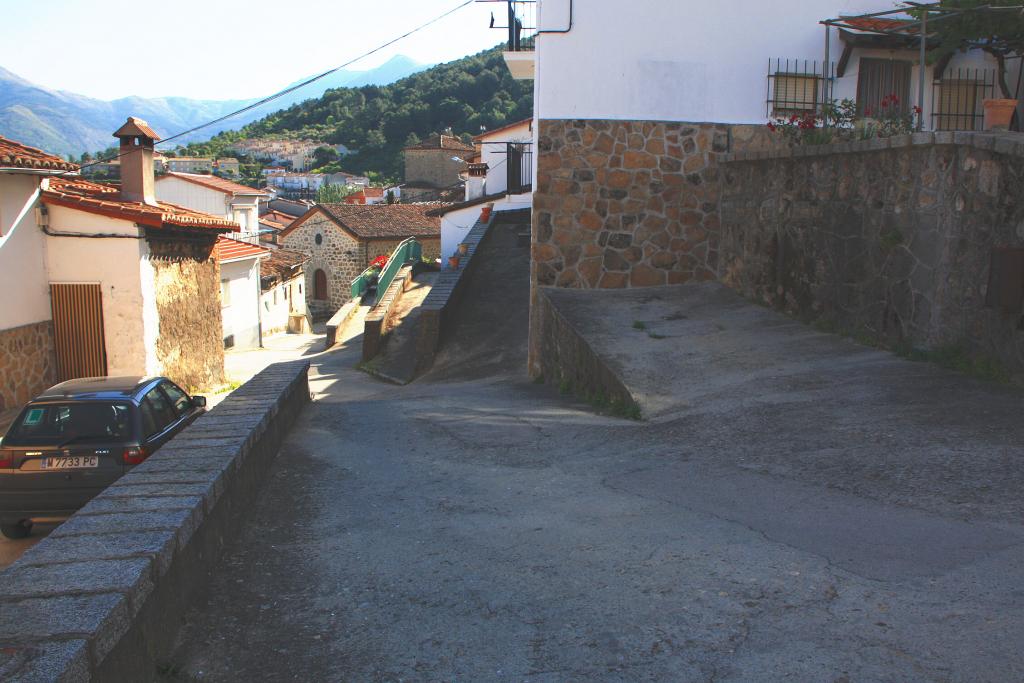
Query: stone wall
433	166
629	203
339	255
892	239
28	363
190	345
103	596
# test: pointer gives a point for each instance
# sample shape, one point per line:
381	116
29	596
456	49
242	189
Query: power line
293	88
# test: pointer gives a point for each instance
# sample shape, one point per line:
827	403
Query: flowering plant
379	262
839	122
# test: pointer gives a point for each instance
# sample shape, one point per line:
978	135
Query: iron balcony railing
797	86
957	98
519	159
521	23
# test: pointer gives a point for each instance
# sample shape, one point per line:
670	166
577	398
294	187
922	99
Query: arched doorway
320	292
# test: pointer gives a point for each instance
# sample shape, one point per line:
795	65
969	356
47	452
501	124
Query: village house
228	166
501	175
109	280
215	196
189	165
433	169
240	292
629	170
341	240
282	281
367	195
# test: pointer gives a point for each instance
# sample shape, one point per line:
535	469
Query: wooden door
78	331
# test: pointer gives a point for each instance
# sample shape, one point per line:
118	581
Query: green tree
333	193
983	25
324	155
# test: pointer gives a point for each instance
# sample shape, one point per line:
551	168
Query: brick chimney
137	181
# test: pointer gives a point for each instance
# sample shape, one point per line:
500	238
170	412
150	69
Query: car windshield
60	424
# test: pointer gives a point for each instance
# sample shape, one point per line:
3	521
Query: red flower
917	109
771	126
867	111
894	99
379	262
794	118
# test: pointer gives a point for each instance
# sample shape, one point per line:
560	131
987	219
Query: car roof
98	387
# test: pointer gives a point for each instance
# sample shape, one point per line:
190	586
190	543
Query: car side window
179	399
161	410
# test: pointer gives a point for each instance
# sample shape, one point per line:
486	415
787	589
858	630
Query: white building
241	312
502	178
104	280
189	164
283	299
213	195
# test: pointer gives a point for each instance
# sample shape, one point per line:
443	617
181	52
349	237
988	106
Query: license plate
74	462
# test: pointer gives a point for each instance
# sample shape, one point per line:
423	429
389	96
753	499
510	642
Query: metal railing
519	160
957	98
797	86
521	23
408	250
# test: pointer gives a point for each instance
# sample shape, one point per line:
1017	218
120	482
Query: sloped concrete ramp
703	348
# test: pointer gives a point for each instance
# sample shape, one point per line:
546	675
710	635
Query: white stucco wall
493	153
283	300
22	253
122	269
241	317
680	62
243	209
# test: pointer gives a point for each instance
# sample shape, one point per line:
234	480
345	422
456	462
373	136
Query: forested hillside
379	120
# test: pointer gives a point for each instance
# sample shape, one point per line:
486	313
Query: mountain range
63	122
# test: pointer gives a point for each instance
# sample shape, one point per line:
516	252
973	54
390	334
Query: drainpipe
920	69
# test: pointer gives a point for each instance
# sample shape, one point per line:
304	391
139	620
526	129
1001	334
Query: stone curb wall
999	143
101	599
339	320
379	320
436	310
568	361
914	242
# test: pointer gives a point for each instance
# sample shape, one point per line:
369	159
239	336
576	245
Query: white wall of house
242	209
121	267
240	308
678	62
22	253
282	301
493	152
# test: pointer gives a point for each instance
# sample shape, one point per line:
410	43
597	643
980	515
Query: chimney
137	181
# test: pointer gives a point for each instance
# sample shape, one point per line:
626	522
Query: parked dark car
80	436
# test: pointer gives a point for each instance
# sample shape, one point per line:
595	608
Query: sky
222	49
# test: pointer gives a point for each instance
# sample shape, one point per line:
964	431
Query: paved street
478	527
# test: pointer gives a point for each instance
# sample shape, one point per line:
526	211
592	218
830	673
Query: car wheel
16	530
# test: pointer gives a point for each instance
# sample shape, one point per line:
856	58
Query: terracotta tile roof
877	24
379	221
507	126
282	264
16	155
443	142
214	183
105	200
276	219
228	249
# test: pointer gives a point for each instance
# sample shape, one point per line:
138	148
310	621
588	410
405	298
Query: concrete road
485	529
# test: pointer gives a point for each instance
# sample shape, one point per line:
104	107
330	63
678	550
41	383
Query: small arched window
320	285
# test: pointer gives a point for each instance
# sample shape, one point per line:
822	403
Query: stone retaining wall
379	319
437	308
28	363
102	597
916	240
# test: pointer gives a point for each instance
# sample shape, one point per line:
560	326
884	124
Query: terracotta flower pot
485	214
998	113
453	262
463	249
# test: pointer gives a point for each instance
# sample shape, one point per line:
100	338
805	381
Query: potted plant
463	249
485	213
993	26
453	262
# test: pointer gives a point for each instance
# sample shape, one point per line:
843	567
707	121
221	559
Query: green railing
409	250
